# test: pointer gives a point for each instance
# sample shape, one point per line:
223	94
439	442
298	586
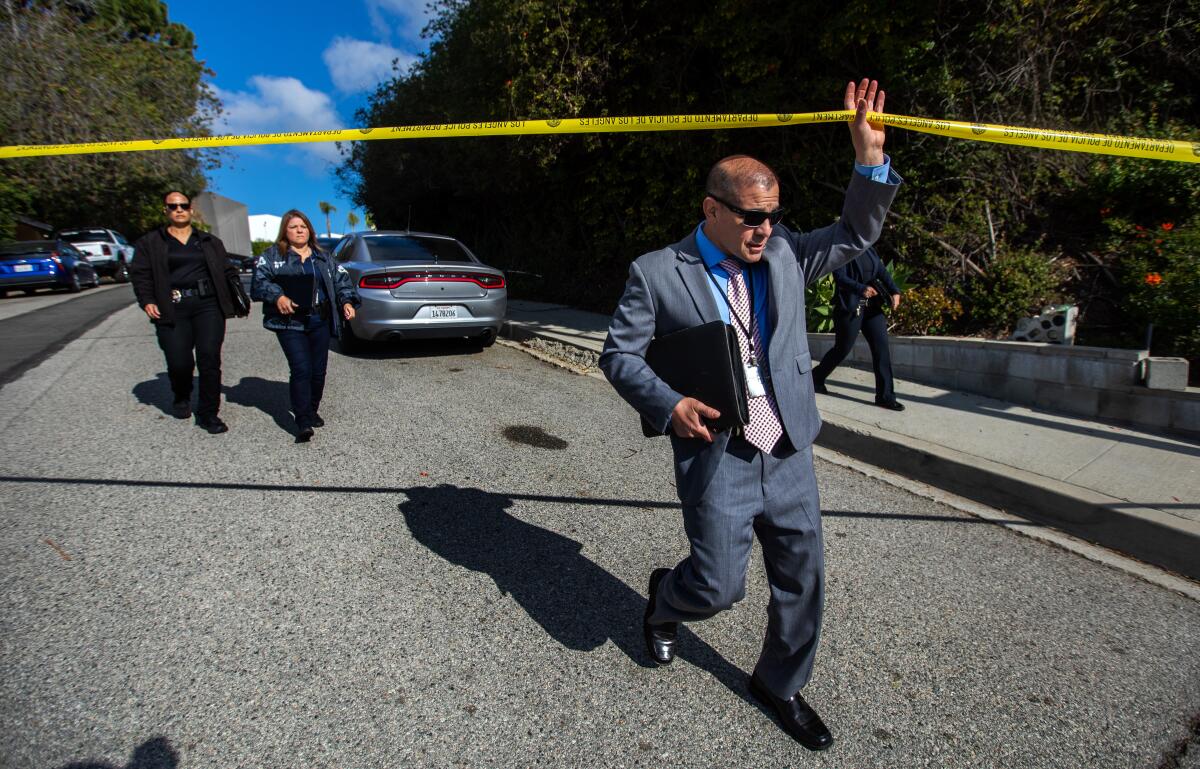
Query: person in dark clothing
304	325
180	276
863	286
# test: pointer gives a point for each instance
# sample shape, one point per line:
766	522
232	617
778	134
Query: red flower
1153	279
1138	227
1157	241
1168	226
1105	211
508	84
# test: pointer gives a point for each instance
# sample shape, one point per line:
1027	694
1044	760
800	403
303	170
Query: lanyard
732	314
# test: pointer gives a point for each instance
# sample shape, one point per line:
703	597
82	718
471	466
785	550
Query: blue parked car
33	264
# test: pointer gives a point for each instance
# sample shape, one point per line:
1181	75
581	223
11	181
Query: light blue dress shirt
757	273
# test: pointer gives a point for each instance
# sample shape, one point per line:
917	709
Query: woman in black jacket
863	287
180	276
303	324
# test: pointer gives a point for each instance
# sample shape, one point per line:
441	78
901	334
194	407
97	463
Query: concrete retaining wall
1092	382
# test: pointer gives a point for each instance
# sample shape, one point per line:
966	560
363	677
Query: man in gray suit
741	266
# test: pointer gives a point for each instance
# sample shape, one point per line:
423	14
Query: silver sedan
417	285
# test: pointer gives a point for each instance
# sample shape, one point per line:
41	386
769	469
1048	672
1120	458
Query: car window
121	239
85	236
415	248
28	247
342	251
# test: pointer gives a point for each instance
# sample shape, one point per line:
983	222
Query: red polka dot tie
765	428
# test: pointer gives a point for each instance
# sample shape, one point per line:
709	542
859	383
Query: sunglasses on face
177	206
752	218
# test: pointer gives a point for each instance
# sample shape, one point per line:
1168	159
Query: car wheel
486	339
121	274
75	286
3	293
29	291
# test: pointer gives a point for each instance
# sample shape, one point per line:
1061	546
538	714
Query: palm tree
351	221
327	209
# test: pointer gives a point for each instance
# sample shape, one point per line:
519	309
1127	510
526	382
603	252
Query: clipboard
705	363
301	289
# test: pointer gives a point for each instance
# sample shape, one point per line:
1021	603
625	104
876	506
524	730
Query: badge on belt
176	295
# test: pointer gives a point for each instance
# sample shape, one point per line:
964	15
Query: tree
1091	65
351	221
327	209
103	70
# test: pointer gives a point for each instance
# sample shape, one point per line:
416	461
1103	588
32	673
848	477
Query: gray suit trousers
774	498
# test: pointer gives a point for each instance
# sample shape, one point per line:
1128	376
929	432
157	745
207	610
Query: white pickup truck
106	250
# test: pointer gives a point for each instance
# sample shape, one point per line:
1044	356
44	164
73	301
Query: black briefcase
705	363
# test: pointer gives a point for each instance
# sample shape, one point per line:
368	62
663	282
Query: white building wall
264	227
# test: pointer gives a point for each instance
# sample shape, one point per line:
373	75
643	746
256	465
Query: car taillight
107	251
390	281
55	258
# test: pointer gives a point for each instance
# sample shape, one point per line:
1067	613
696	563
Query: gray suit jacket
668	290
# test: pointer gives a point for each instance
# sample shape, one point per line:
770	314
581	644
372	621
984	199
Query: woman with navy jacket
304	325
863	286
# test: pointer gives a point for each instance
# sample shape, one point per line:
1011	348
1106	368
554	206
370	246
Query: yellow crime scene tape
1070	141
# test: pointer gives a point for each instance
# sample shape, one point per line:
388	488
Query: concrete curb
1148	535
1152	536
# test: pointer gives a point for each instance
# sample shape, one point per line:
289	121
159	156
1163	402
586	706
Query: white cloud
406	17
278	104
360	65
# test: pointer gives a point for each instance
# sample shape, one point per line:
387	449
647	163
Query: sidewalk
1125	489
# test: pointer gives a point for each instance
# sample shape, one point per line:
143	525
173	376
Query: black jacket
853	278
151	277
339	289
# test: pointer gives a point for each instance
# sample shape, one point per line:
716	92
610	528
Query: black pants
873	324
199	326
307	355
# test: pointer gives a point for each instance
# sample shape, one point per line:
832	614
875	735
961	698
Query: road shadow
268	396
151	754
155	392
578	603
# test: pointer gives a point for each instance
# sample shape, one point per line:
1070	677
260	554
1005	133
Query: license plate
22	268
443	312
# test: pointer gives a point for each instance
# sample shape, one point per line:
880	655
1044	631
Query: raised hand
868	137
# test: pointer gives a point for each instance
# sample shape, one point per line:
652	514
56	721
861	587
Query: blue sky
299	65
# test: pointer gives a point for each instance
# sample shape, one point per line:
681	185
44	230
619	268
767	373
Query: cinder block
1072	400
902	351
1166	373
1102	372
1023	365
1050	368
1020	390
940	377
1185	415
923	355
982	383
983	360
947	356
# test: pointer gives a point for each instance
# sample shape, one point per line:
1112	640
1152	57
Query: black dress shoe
213	425
305	435
797	717
317	421
660	639
894	405
181	409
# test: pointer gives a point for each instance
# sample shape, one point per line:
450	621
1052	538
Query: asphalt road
32	328
452	574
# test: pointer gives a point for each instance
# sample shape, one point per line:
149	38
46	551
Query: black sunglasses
177	206
752	218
